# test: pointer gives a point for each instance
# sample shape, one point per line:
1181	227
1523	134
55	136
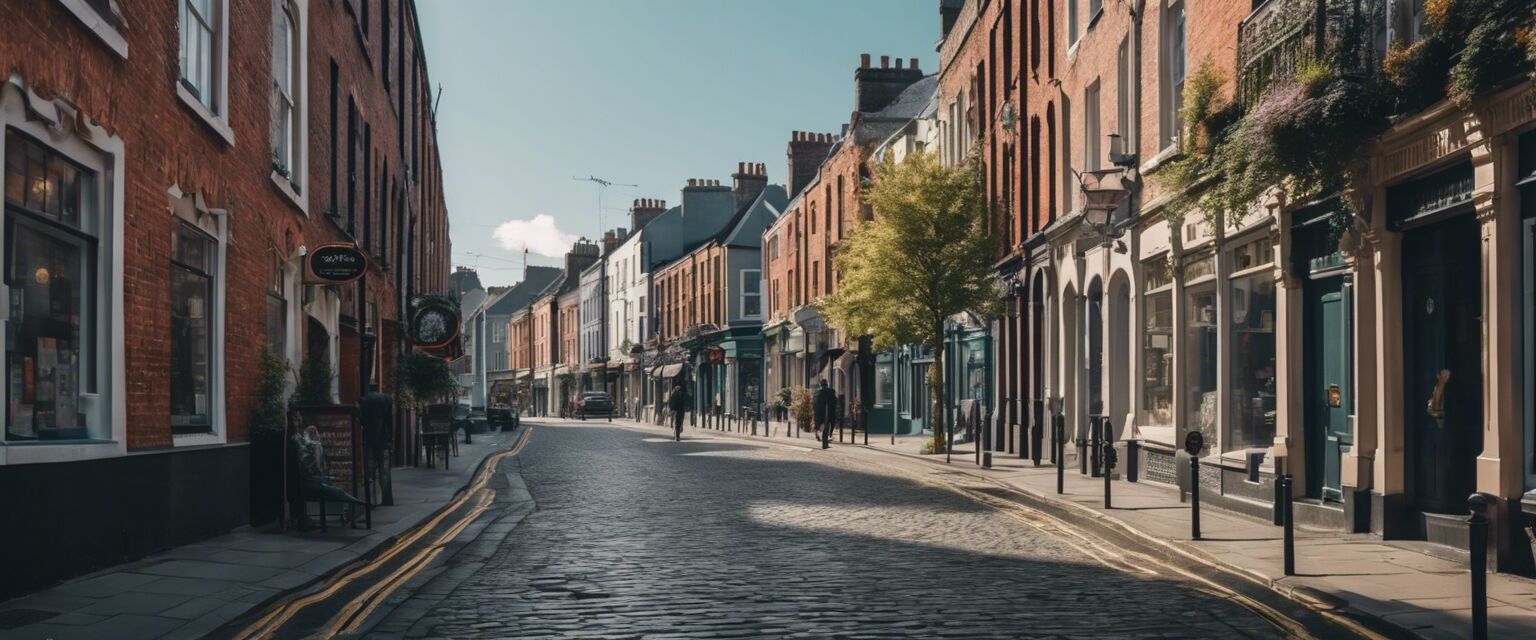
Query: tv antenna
602	186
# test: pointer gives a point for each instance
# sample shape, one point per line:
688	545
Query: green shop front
728	366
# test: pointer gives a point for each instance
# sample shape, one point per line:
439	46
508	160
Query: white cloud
539	236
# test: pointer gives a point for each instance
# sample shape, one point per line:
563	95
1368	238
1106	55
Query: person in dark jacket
824	407
677	402
376	412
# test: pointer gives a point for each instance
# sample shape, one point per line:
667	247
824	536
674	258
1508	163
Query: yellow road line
274	619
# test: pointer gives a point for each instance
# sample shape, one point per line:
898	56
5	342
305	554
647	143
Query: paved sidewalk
191	590
1398	582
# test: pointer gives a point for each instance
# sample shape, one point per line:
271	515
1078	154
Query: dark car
500	416
593	403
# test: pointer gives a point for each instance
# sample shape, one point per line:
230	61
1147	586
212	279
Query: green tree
424	379
926	256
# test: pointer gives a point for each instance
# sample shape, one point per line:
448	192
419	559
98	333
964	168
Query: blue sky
647	92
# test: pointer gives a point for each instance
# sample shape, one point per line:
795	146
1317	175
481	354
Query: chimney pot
863	61
885	62
898	63
914	63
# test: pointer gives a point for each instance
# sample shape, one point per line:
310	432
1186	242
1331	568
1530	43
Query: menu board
343	446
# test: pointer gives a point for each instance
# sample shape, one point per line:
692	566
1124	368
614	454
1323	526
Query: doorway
1442	374
1326	391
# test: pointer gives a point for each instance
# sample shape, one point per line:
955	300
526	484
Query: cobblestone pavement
637	536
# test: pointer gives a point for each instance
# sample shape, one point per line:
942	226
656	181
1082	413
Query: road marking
281	614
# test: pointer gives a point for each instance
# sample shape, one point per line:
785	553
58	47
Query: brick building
167	171
826	174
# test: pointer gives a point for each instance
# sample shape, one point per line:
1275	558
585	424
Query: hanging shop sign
716	355
434	321
336	264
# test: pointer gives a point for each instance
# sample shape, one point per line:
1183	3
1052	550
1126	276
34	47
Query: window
1157	345
192	258
277	307
1072	11
884	383
1068	178
1094	7
1123	94
1251	298
204	59
50	260
287	75
1091	127
103	19
751	293
1200	346
1173	72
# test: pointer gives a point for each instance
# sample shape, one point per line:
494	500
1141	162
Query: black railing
1280	35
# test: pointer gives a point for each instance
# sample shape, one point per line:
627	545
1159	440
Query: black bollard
1477	533
1132	459
1059	451
1289	514
1095	446
1037	431
1279	503
1108	458
1194	497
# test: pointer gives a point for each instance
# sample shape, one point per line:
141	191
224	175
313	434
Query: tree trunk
936	383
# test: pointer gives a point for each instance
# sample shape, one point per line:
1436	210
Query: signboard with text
336	264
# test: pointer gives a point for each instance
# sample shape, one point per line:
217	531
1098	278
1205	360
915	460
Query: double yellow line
359	608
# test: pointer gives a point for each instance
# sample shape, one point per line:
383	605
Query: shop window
191	348
50	263
1252	347
885	383
1157	345
1200	352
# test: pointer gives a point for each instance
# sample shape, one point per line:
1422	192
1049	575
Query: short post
1194	497
1108	458
1279	501
1095	446
1059	438
1082	455
1477	532
1290	525
1132	459
1036	432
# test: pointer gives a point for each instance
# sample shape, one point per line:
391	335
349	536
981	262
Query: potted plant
267	421
801	408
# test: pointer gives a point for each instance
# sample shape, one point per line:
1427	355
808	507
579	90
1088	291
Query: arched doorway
1123	363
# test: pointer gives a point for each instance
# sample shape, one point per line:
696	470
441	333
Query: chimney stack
747	183
876	89
806	153
644	211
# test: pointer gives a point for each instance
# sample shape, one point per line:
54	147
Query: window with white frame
202	52
751	293
102	18
1173	71
287	93
193	257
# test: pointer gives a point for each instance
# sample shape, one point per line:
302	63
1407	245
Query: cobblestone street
634	535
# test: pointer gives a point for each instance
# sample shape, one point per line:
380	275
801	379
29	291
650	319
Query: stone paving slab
1408	584
189	591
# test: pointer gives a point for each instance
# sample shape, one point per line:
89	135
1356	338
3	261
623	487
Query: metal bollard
1477	532
1132	459
1082	455
1095	446
1279	502
1194	497
1289	514
1059	439
1108	457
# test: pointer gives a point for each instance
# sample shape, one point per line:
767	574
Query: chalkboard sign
336	264
343	444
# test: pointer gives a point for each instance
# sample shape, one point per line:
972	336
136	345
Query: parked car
594	403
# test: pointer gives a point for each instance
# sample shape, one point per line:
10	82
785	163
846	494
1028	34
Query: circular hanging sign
336	264
1193	443
434	321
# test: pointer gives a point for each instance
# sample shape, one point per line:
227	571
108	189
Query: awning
667	371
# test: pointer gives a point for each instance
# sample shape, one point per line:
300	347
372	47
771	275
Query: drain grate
17	618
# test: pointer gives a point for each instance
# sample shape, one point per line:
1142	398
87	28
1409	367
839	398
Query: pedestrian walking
676	402
376	412
824	407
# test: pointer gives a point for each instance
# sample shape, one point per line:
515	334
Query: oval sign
434	322
1193	443
336	264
